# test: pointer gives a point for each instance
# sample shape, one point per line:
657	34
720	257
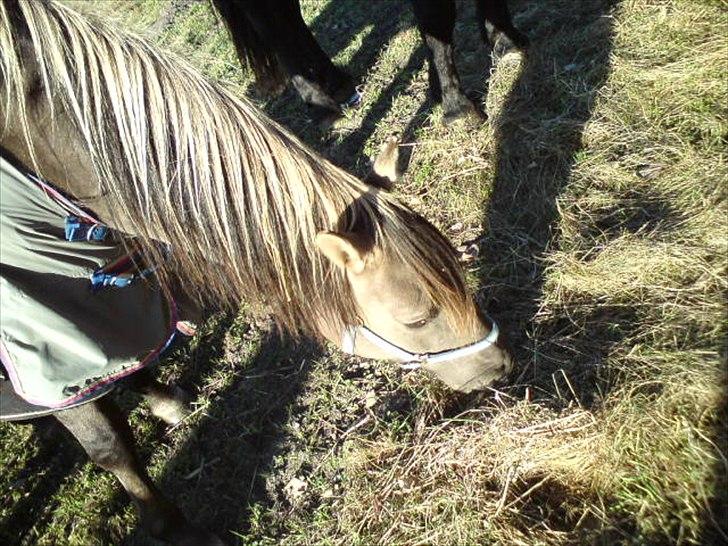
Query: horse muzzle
474	373
468	368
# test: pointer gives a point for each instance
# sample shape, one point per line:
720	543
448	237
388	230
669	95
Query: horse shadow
217	474
562	358
530	175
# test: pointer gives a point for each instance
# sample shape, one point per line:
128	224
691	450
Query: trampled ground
591	212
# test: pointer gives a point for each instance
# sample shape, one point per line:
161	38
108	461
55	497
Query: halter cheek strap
413	361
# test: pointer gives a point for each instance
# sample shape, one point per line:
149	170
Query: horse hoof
174	409
197	537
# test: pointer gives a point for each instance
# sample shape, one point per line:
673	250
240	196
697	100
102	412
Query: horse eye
422	322
419	324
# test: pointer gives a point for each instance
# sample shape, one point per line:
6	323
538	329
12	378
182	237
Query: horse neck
60	156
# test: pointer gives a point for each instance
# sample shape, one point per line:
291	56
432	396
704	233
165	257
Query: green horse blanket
61	341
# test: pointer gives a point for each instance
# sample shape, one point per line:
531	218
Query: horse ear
384	171
341	249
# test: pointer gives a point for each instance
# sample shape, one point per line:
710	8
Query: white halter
413	361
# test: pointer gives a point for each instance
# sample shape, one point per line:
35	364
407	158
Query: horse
273	40
212	192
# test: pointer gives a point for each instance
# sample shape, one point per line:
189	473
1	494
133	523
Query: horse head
399	320
402	311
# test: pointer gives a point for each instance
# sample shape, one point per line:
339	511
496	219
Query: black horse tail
252	49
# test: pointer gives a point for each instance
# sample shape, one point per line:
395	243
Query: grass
596	197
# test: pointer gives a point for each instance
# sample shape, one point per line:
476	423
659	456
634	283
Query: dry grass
596	195
465	481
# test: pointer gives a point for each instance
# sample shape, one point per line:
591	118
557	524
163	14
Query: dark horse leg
497	27
436	21
275	29
104	433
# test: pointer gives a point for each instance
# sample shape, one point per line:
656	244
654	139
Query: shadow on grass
538	135
219	471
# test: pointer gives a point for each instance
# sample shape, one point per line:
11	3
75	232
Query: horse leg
105	435
282	30
497	26
315	77
251	48
167	402
436	21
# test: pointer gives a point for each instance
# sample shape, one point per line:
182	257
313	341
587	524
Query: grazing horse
273	39
206	188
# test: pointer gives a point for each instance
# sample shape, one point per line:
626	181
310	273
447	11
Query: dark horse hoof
197	537
168	525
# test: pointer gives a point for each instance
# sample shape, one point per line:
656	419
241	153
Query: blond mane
237	197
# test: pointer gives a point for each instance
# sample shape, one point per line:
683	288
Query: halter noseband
413	361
